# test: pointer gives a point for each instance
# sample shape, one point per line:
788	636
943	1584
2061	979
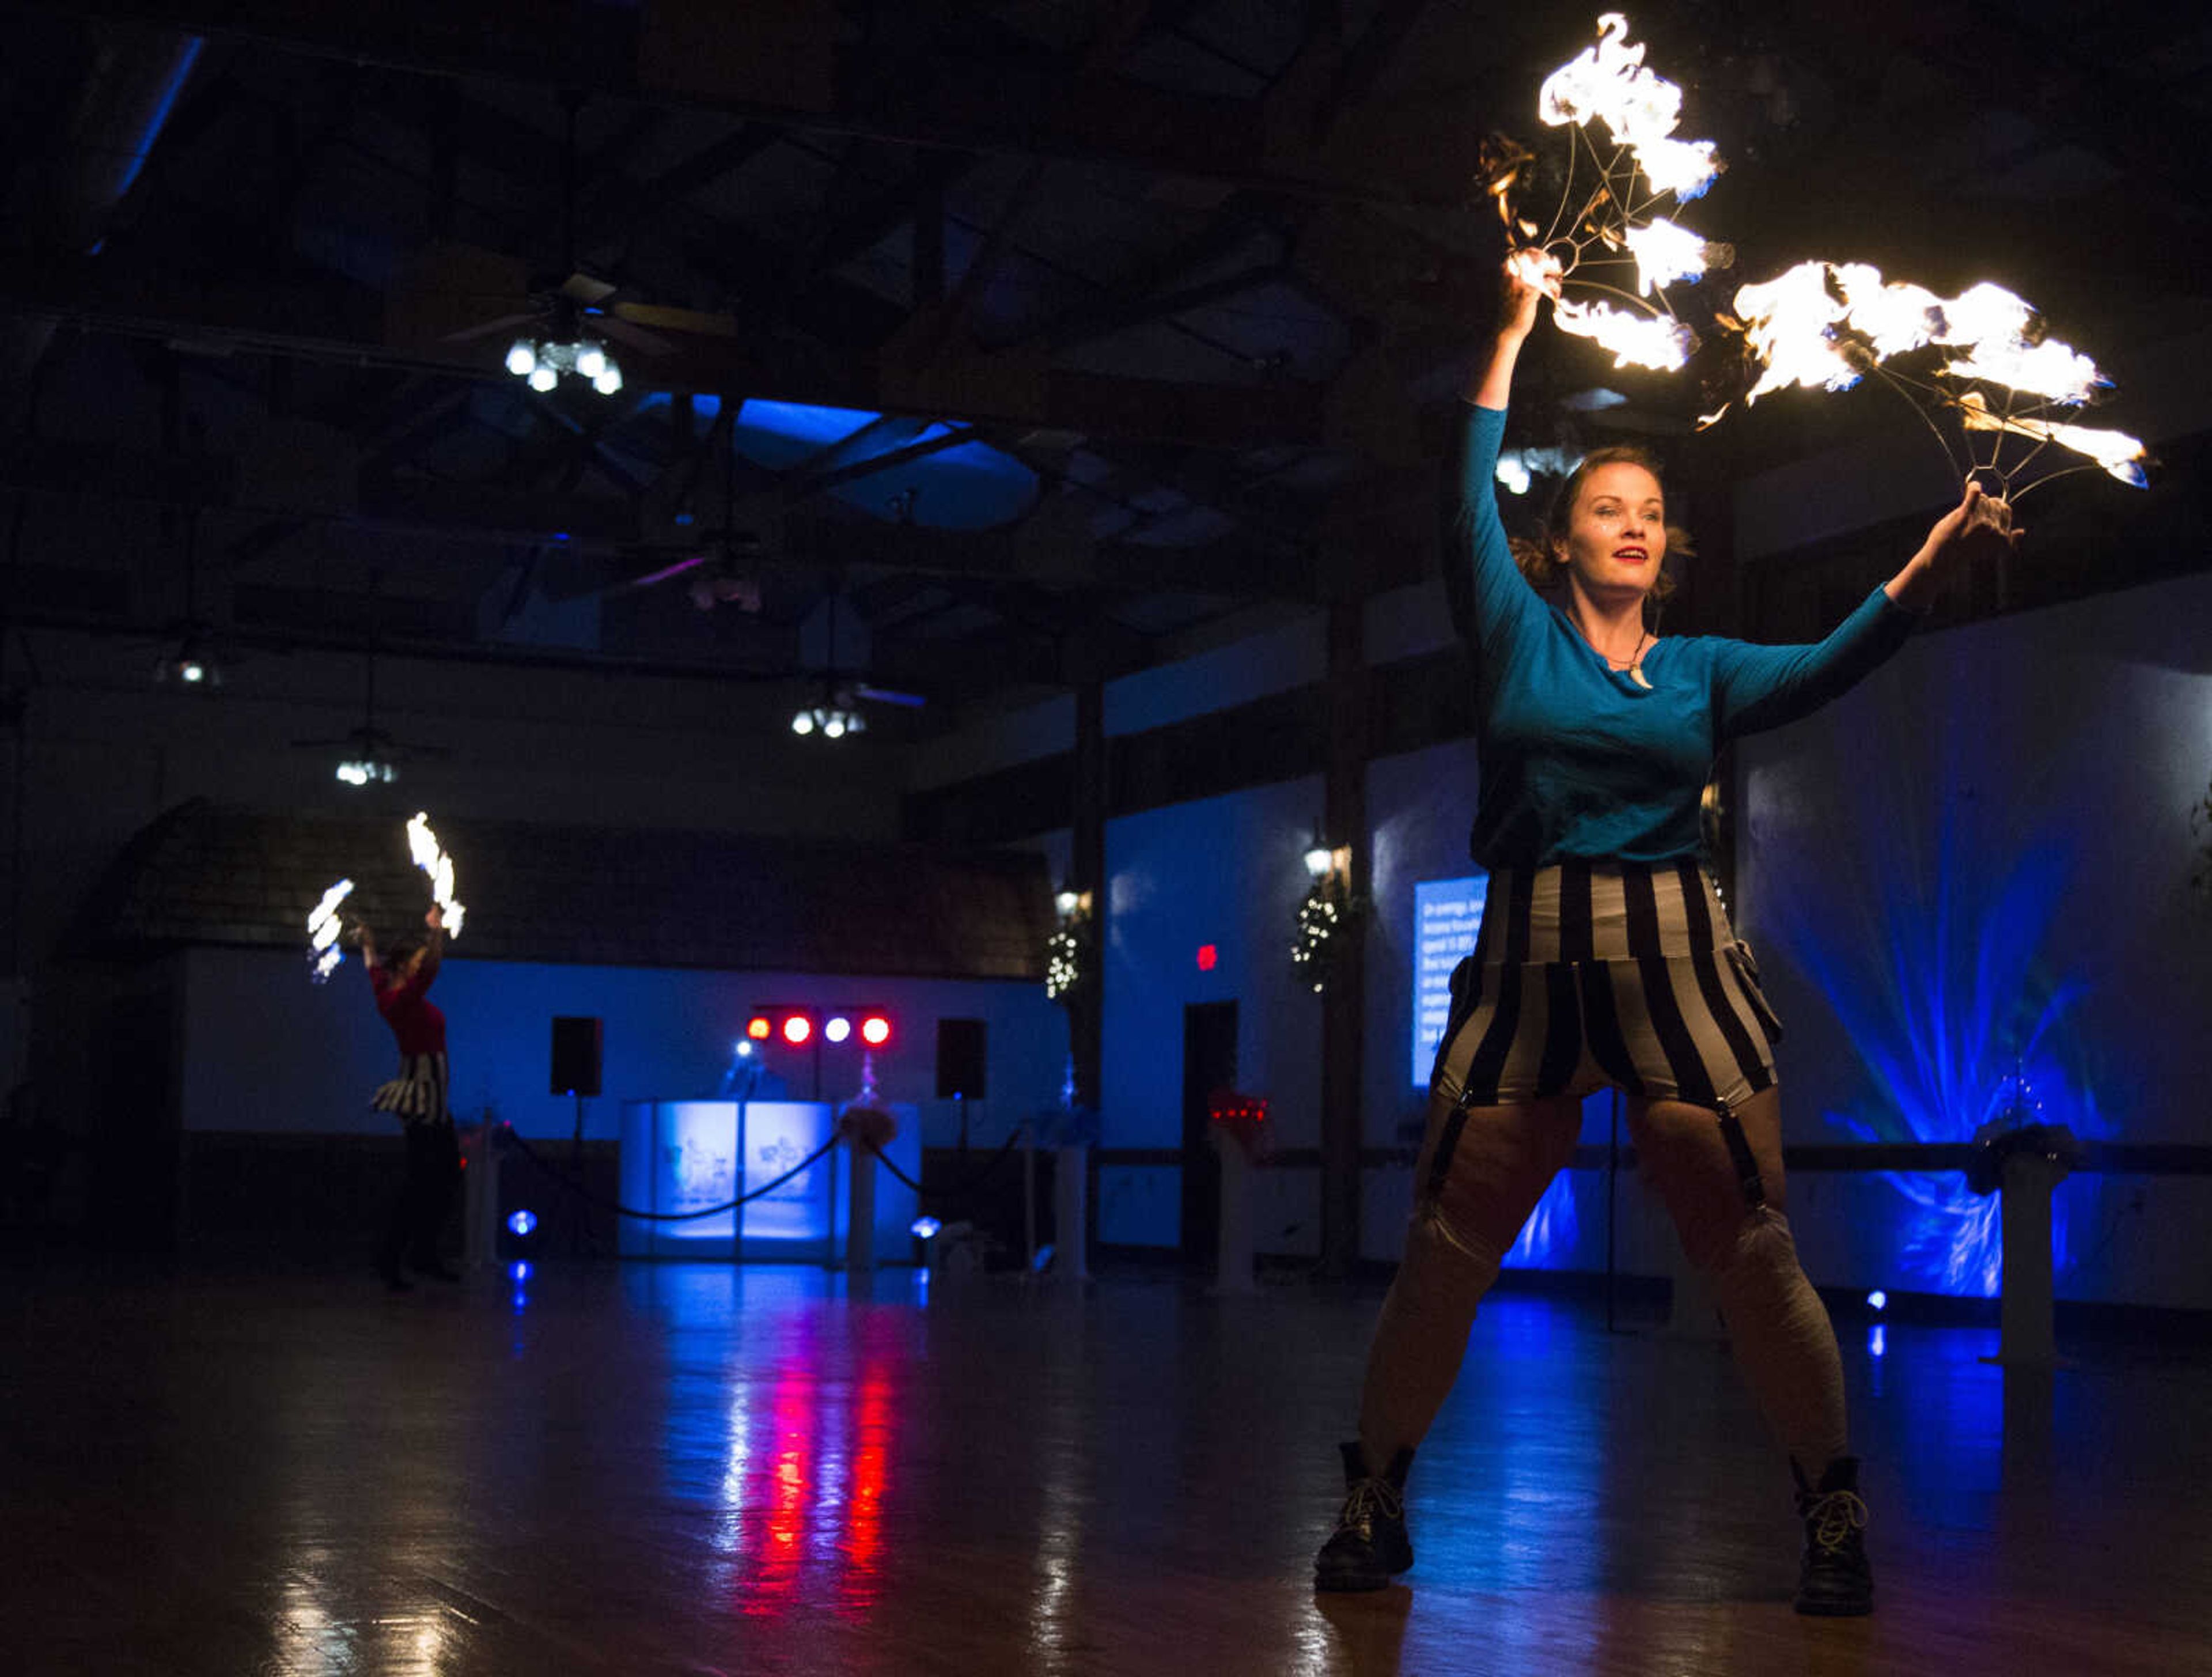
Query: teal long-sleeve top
1580	760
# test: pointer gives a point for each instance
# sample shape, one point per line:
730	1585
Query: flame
1608	83
1789	322
1797	326
1895	317
1985	313
2120	454
322	928
1665	251
1659	342
422	846
2049	369
1684	167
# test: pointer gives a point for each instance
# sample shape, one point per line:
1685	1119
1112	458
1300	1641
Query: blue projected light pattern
1447	920
1937	939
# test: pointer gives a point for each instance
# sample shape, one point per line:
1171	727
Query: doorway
1209	1064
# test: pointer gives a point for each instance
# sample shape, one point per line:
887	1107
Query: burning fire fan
325	952
1981	356
422	845
1605	218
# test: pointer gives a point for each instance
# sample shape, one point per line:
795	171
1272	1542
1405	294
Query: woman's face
1616	533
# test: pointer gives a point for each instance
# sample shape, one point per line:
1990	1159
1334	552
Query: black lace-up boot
1369	1547
1834	1580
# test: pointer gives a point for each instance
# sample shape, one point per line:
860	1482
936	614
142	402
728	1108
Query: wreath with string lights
1319	942
1067	961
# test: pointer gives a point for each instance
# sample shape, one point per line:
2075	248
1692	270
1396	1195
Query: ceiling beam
790	65
333	323
501	512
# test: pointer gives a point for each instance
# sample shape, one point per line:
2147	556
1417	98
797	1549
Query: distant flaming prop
1625	163
1981	356
324	926
422	845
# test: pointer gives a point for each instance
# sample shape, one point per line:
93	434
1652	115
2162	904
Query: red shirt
416	1023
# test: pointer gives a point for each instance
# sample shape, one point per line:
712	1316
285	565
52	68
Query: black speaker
960	1059
575	1056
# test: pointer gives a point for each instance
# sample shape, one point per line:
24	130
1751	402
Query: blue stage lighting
923	1227
1877	1300
1878	1340
519	1271
838	1029
522	1221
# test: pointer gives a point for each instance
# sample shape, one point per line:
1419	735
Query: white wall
1982	856
105	752
1226	872
265	1050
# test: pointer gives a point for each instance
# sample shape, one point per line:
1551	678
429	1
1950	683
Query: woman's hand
1529	275
1979	529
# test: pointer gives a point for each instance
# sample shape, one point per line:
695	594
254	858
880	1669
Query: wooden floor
692	1469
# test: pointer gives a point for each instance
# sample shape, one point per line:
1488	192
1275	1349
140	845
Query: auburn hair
1539	559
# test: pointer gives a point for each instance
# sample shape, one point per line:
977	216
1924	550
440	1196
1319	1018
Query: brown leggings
1501	1160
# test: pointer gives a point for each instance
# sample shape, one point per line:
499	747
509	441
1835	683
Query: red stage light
1207	955
758	1028
875	1030
797	1028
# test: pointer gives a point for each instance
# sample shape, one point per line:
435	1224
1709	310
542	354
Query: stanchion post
2025	1339
1028	1193
480	1210
860	1207
1070	1183
1233	1255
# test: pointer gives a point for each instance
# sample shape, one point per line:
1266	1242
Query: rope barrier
957	1189
616	1206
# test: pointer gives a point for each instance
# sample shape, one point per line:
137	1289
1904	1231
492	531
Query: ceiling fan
192	653
727	572
560	325
370	756
839	713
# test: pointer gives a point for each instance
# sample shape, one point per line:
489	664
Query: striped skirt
417	1095
1591	972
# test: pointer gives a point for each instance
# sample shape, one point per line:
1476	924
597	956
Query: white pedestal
859	1209
480	1203
1071	1189
2024	1331
1233	1255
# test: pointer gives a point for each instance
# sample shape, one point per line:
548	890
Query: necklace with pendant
1634	668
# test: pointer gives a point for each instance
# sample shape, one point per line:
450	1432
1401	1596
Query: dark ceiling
1043	339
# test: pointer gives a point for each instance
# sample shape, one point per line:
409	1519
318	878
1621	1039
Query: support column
1344	1001
1087	872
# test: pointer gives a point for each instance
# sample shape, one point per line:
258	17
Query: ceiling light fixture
541	362
831	721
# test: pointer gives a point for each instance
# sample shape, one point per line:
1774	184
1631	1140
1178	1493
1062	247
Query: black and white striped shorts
1591	972
417	1095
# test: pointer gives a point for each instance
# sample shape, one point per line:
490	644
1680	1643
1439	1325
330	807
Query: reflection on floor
685	1470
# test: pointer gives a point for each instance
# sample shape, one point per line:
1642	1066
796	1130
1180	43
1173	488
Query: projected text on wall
1447	917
